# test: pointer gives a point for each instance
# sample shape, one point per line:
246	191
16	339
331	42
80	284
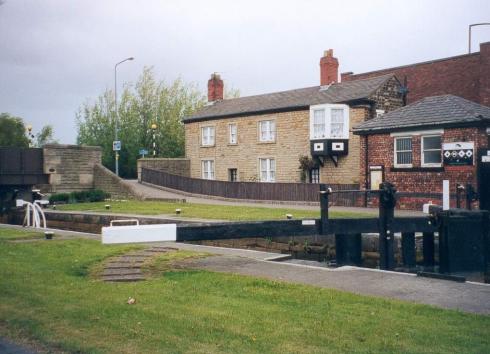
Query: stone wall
464	75
70	167
118	188
180	167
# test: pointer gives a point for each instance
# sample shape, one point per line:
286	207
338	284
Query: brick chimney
329	68
215	88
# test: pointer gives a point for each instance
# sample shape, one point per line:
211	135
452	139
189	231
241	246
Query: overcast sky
56	54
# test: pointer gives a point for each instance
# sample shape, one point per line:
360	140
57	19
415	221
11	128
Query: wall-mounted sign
459	153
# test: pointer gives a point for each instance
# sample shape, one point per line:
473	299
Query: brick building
418	146
261	138
467	76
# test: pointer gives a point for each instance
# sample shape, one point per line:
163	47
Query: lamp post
117	148
469	33
153	129
30	136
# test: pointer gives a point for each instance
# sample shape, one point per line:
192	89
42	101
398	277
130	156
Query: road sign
143	152
116	145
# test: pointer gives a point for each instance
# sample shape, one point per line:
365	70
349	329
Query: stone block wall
292	141
70	167
177	166
118	188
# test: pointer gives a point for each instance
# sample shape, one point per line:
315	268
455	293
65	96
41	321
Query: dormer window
329	121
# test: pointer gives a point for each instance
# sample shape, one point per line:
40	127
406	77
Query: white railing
34	216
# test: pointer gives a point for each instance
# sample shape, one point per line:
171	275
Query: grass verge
205	211
47	294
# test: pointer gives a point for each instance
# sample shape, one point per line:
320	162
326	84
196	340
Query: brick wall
380	149
181	167
70	167
467	76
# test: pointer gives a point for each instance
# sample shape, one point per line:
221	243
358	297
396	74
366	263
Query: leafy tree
12	131
45	136
142	104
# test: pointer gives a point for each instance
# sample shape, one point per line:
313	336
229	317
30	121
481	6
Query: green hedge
93	195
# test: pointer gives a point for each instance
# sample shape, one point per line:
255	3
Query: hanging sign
459	153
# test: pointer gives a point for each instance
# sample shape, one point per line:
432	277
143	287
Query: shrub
93	195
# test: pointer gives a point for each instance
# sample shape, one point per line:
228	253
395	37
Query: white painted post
445	194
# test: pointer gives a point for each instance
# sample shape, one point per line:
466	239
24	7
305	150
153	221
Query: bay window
329	121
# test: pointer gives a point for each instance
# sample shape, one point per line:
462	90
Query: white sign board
458	146
485	158
139	233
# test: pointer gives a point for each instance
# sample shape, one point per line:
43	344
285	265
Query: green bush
93	195
59	197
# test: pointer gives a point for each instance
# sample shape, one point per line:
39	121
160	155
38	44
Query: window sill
266	142
208	146
232	144
417	169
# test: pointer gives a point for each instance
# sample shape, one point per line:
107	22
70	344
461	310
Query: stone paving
127	267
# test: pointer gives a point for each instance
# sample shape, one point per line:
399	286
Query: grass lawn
48	293
205	211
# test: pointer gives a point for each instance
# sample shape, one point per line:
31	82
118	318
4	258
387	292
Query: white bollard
445	194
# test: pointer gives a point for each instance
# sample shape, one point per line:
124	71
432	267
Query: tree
12	131
142	104
45	136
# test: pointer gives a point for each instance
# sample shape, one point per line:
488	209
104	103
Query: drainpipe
366	169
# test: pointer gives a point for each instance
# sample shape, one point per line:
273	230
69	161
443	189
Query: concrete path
151	191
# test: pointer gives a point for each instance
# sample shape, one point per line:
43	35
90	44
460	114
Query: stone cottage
263	137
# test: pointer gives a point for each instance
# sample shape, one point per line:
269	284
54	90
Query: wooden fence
306	192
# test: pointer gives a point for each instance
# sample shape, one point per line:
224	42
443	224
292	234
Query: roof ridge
389	75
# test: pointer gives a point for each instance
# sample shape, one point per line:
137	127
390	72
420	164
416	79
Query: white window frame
422	150
395	156
232	140
269	177
208	139
327	108
270	125
206	171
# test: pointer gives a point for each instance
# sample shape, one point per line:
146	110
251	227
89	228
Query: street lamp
469	33
117	146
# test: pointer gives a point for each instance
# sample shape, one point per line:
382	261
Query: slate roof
435	111
292	99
